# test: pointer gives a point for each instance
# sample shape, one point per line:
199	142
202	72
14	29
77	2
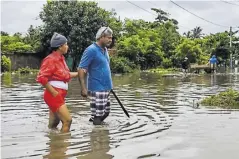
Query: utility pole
230	47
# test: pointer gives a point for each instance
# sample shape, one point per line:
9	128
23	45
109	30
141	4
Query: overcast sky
17	16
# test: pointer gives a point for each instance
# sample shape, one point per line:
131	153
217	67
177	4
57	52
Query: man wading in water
185	65
95	63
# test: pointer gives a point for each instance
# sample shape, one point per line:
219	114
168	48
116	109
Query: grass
25	70
228	99
164	70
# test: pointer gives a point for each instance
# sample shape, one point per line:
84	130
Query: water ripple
163	120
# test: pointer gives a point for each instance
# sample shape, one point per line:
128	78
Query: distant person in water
54	75
213	63
185	65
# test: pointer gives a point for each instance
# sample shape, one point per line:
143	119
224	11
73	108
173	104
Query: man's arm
81	77
85	61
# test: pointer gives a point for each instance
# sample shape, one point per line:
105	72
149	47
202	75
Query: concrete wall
21	60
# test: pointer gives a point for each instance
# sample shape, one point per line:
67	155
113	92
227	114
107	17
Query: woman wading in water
54	75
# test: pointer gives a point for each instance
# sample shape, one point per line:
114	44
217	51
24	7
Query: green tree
33	37
189	48
132	27
197	32
77	20
143	49
10	44
3	33
170	38
218	44
188	34
162	18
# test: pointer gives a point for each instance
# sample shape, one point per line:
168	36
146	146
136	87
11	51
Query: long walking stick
125	111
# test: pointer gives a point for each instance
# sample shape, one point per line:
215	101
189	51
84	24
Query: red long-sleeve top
53	68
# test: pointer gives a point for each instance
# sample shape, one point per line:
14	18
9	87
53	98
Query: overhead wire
199	16
150	12
230	3
141	8
219	25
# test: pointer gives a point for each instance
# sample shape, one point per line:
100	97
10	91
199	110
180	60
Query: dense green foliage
5	63
78	21
140	44
15	43
121	65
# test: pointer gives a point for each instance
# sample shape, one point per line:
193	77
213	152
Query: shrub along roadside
5	63
227	99
121	65
164	70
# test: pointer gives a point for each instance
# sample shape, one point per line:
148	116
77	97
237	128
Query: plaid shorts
99	103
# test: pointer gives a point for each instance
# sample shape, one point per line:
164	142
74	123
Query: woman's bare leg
53	120
65	117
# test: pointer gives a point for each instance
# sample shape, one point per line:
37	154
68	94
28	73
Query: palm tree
188	34
197	32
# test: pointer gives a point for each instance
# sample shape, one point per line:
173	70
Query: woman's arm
51	89
74	74
46	71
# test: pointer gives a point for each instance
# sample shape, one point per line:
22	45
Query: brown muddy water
163	123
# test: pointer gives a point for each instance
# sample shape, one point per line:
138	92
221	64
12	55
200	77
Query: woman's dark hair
51	49
54	49
43	53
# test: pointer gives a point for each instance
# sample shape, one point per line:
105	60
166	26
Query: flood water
164	122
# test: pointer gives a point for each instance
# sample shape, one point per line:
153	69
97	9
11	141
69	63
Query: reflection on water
99	144
58	145
163	120
7	80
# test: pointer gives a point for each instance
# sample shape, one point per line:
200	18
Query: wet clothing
99	103
53	68
54	103
54	71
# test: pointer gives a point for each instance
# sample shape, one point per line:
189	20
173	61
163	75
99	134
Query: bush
203	59
27	70
163	71
167	63
11	44
143	48
227	99
121	65
5	63
19	47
